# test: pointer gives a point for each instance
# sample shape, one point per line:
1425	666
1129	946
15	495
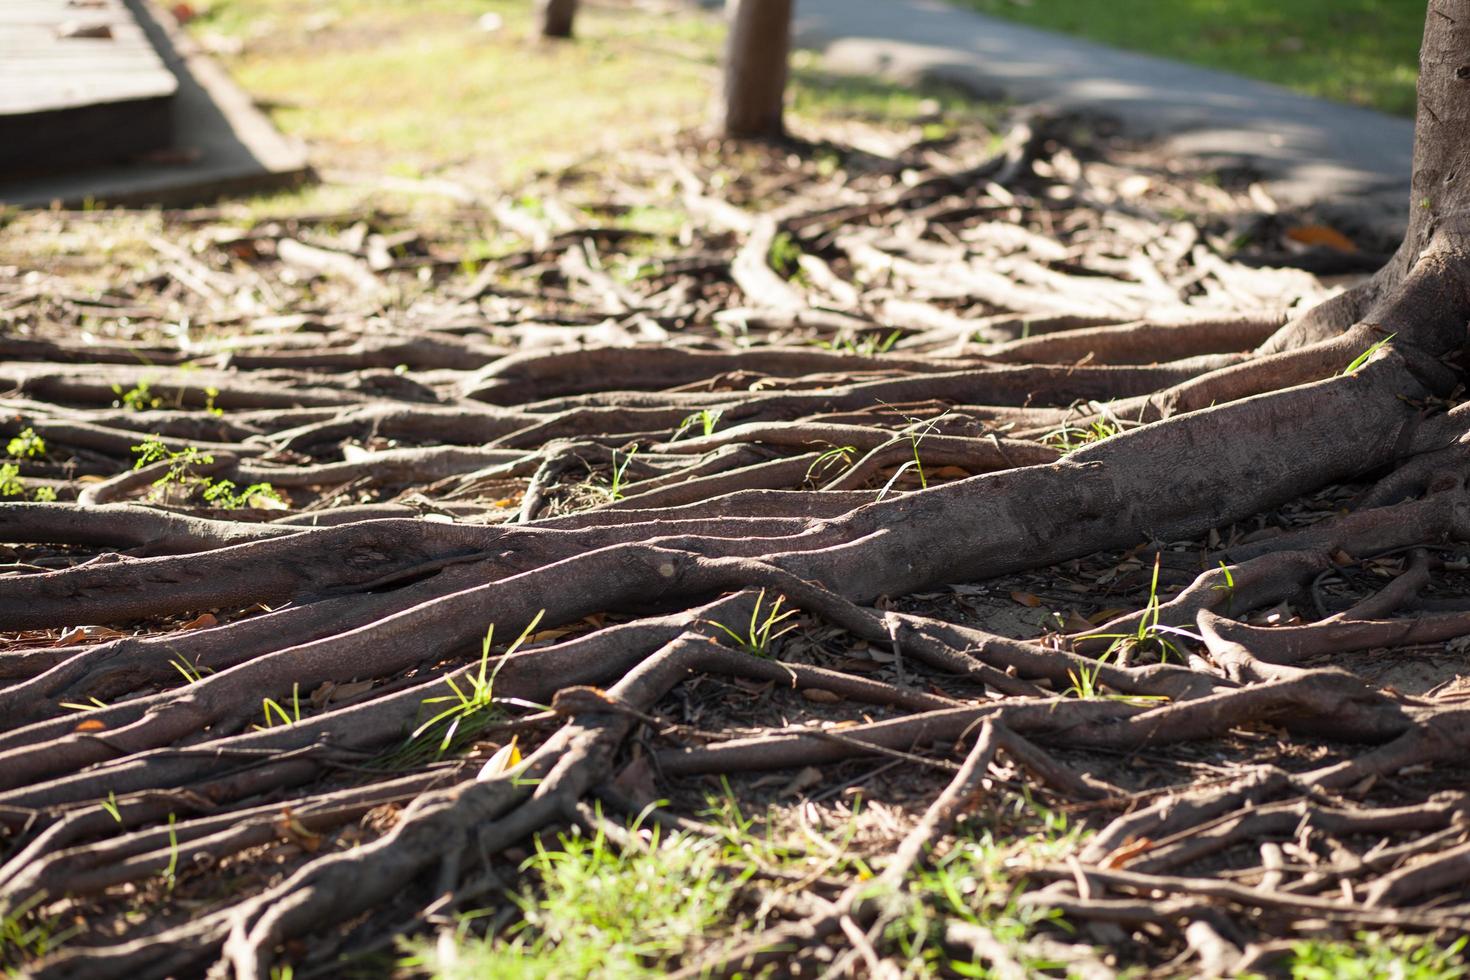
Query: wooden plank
224	143
71	98
42	69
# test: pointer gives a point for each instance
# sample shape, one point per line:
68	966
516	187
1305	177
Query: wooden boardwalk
80	84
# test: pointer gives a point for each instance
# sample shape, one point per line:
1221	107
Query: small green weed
181	462
222	494
915	431
139	398
1227	586
1371	956
1150	634
1084	680
762	631
193	674
92	705
11	484
785	255
974	882
705	420
617	483
182	477
26	445
1070	438
477	698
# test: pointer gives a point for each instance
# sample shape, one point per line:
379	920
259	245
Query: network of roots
354	562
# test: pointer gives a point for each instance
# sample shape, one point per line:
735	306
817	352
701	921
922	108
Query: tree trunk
555	17
755	69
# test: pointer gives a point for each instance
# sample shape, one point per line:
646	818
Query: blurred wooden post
751	103
555	17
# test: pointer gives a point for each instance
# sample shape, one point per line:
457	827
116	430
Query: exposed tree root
308	673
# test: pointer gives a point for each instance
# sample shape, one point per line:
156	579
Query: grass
1367	355
705	420
1070	438
1365	52
975	881
586	906
1371	956
419	91
762	631
26	935
600	910
408	88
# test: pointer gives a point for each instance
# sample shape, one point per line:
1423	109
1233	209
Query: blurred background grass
1365	52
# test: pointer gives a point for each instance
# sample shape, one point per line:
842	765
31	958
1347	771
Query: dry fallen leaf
1026	599
1127	851
801	782
201	622
820	696
503	761
1323	236
81	634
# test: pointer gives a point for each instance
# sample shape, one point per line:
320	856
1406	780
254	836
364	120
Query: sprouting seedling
836	456
1149	630
11	484
706	419
222	494
210	394
478	694
181	463
181	473
192	673
110	806
1228	586
138	398
762	631
617	483
915	431
270	705
785	254
1367	355
26	445
1085	680
170	871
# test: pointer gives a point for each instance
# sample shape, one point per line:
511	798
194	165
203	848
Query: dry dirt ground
225	692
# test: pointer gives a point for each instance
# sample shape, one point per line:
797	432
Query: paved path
1309	150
